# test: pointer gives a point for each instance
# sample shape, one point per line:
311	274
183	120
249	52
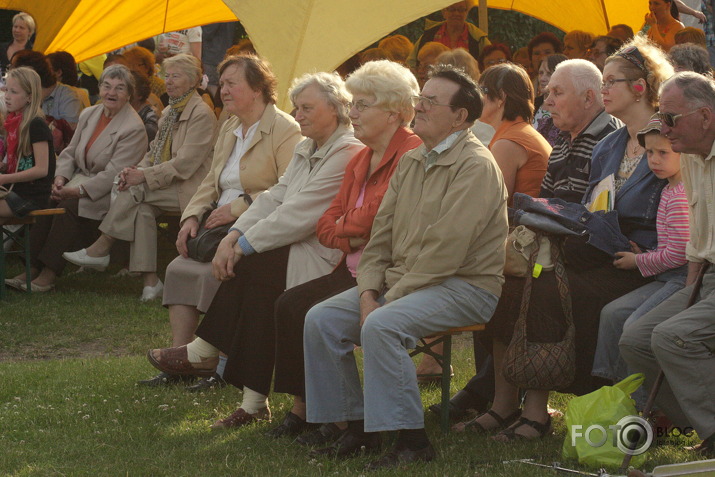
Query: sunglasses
669	119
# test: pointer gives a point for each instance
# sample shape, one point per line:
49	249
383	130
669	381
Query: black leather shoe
350	444
460	404
322	436
165	379
205	384
291	426
401	455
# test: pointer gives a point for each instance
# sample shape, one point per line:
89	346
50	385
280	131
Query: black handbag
203	247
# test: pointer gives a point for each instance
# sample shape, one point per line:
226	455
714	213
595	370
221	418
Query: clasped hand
227	256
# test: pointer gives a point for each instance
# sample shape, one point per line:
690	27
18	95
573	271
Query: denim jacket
556	216
637	200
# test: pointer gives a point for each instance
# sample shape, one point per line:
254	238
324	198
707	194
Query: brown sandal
176	361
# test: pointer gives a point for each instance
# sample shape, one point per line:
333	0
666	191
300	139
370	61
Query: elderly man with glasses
677	340
434	261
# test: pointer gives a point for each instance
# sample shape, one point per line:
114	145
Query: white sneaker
151	293
81	259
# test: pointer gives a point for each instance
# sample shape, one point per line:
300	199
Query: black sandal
509	434
502	422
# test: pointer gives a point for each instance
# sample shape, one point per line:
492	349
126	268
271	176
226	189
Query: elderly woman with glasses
380	111
164	181
109	137
271	247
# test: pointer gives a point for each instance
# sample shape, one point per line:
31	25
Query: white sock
253	401
198	349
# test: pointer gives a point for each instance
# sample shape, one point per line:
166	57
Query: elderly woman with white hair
23	27
272	246
164	181
380	112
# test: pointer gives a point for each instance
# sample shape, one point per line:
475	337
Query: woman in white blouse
252	151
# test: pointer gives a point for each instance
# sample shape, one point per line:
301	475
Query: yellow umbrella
594	16
299	36
88	28
296	36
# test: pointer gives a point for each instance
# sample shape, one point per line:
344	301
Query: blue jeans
623	312
391	399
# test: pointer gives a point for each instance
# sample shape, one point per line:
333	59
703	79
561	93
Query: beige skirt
190	283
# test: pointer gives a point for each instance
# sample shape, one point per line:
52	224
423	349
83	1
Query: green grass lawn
69	405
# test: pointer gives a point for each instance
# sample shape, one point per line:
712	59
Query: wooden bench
445	360
21	237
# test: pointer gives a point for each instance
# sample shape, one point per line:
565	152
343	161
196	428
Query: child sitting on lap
667	263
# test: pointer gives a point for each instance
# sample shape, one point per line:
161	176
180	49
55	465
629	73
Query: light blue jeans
622	313
391	399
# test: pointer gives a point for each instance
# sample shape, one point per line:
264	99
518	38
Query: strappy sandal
502	422
509	434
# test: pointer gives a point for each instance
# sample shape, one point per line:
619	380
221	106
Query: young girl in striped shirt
667	263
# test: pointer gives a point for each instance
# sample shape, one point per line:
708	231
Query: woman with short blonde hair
23	27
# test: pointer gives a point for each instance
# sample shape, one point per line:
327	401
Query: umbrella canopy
592	16
299	36
296	36
87	28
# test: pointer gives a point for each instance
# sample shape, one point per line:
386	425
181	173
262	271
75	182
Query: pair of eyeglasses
610	83
426	103
670	119
359	105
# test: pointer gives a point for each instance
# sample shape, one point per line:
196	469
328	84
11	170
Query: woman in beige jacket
252	151
164	181
109	137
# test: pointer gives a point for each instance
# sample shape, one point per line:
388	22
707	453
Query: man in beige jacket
434	261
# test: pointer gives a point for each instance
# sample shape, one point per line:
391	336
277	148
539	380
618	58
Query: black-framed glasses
426	102
669	119
360	105
610	83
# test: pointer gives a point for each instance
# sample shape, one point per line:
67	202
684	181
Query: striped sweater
673	233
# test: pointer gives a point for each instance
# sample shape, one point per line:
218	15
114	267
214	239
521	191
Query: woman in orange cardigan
380	110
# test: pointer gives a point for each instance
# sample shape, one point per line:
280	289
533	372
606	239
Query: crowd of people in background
376	213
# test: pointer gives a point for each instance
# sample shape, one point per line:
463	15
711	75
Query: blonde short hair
29	21
187	64
392	84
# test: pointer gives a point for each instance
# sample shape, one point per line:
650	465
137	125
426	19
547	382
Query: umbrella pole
659	380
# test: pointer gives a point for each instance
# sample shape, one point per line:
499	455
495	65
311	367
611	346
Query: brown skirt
190	283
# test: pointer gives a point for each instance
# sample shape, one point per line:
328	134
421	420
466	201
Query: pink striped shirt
673	233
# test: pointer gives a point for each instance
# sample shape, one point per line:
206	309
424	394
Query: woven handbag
547	366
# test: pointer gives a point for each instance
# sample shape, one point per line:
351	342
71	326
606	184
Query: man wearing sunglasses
677	340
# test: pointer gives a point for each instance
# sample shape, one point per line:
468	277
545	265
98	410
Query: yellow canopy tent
307	35
88	28
296	36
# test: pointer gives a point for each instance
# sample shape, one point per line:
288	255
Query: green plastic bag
595	417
